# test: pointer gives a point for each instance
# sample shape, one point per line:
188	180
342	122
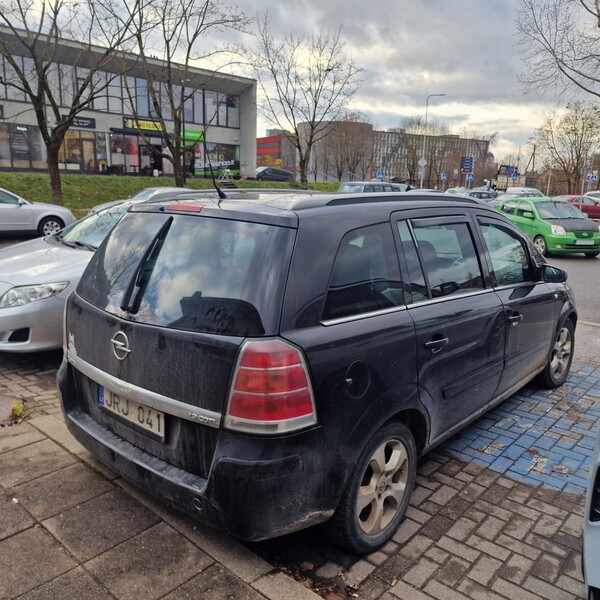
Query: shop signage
140	124
82	122
193	136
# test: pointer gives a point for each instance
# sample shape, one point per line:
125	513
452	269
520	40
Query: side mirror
528	215
552	274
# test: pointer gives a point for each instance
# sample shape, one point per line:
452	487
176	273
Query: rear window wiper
137	286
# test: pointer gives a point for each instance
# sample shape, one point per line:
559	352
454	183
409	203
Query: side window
6	198
418	286
508	255
509	207
524	207
448	254
365	276
369	188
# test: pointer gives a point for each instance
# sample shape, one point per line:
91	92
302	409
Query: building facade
353	150
111	137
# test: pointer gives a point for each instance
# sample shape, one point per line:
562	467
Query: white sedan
22	216
37	276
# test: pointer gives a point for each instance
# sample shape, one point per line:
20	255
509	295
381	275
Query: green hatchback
555	226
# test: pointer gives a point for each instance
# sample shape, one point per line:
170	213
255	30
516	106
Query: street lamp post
423	161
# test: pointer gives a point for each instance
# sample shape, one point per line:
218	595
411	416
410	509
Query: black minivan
272	363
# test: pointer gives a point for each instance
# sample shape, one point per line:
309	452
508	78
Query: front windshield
91	230
551	209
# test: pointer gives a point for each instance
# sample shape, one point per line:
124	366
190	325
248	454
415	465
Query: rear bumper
245	495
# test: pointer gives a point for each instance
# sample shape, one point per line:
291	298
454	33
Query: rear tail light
271	391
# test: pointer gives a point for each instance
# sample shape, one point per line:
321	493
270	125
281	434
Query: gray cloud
412	48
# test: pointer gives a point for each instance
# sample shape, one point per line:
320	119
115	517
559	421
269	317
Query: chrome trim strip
146	397
373	313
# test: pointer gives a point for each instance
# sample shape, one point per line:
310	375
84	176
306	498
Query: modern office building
110	137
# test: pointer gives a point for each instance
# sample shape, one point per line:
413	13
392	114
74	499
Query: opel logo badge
120	345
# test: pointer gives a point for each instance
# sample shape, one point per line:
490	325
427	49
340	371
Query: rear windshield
192	273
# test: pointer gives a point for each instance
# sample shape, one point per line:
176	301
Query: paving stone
416	547
406	592
74	585
17	436
214	583
510	590
149	565
453	571
58	491
421	572
393	569
406	530
490	528
545	590
92	527
484	570
442	592
515	569
32	461
14	517
474	590
279	587
46	559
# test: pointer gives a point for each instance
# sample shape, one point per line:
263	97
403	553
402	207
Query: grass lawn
81	192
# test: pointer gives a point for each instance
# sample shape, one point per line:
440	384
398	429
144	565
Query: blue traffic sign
515	175
380	175
470	176
444	176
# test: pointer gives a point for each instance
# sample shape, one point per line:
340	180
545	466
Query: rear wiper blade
137	286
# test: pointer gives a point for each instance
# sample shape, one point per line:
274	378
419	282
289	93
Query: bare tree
306	82
348	143
561	44
564	141
32	36
171	37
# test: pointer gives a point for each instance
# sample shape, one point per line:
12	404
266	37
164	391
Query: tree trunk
303	164
54	173
178	172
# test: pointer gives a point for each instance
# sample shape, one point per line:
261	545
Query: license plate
584	242
143	416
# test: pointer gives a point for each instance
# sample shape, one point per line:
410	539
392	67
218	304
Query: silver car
22	216
591	529
37	276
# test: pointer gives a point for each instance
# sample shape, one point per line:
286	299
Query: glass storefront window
233	111
115	94
210	108
222	99
4	146
198	107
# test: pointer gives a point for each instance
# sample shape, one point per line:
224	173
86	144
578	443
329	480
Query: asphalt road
584	278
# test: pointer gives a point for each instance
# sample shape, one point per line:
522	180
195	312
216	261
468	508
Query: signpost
444	178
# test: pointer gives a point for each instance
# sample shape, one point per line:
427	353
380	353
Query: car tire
540	243
377	493
557	368
591	255
50	225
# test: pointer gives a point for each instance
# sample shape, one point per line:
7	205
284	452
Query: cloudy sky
466	49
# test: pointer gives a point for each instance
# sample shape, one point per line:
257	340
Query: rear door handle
436	345
515	318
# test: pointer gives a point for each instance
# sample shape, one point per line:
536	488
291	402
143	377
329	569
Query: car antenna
222	195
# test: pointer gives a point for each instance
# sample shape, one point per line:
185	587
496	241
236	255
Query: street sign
456	171
466	164
594	178
422	163
380	175
444	176
470	176
514	175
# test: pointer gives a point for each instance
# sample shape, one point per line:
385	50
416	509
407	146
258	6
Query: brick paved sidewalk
489	518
